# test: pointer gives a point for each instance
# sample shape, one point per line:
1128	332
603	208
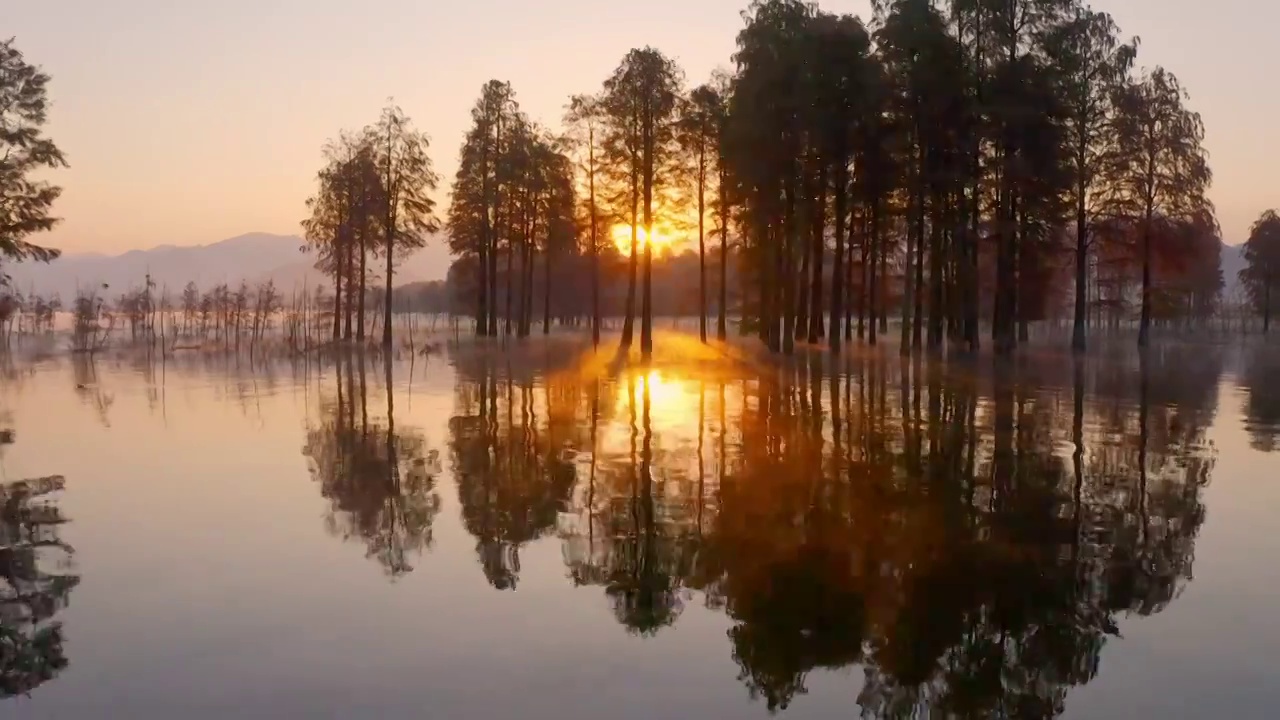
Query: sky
190	122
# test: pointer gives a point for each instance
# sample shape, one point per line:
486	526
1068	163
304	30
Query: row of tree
931	154
372	205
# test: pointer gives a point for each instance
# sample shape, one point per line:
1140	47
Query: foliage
25	201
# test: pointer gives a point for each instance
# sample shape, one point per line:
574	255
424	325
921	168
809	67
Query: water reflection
509	452
379	479
35	567
969	535
1262	403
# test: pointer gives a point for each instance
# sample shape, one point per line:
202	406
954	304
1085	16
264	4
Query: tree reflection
1262	400
34	564
513	476
379	480
972	536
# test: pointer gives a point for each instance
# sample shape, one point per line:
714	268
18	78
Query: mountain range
255	257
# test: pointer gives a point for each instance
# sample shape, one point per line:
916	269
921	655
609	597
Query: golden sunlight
622	239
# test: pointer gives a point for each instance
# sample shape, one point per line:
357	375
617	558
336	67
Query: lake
539	531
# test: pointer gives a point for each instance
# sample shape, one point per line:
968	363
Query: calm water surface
544	533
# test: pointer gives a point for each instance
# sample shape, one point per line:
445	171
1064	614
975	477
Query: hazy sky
188	122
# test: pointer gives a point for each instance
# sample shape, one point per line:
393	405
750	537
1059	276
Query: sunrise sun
622	239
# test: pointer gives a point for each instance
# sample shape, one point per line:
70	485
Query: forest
953	171
963	169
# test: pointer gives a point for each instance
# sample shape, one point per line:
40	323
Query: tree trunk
937	252
788	258
721	323
628	321
511	251
337	295
702	245
875	277
386	304
1266	308
595	243
819	247
908	292
1144	325
546	292
482	288
360	298
882	302
837	268
1078	341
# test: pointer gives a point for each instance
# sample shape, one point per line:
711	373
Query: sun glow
622	239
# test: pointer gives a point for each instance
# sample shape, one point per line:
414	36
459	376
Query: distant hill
254	258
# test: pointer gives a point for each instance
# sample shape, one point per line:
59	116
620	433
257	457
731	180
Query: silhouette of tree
699	131
406	211
25	200
1159	171
343	225
584	121
1261	274
1093	63
640	105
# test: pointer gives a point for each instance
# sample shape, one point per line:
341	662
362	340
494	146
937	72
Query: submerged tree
25	199
1093	64
640	104
405	211
1159	172
584	120
699	135
343	226
1261	274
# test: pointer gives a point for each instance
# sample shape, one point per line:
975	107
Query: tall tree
765	138
1261	274
25	200
640	103
342	223
844	63
699	136
1160	171
407	209
477	224
1092	63
583	119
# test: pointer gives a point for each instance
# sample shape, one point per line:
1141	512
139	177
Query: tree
25	201
699	134
1093	64
1261	274
1159	170
343	222
583	119
481	193
407	211
640	104
763	151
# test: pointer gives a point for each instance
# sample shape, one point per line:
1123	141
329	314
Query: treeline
954	167
962	169
373	204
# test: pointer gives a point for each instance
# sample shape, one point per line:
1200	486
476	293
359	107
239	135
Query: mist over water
540	530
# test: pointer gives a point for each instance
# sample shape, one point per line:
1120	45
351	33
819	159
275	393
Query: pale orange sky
191	122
